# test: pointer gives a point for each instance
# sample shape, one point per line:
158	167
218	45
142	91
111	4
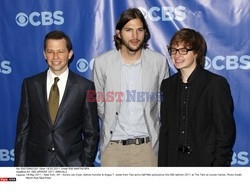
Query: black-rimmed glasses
181	51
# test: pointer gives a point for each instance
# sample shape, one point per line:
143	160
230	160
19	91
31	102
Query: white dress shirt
61	83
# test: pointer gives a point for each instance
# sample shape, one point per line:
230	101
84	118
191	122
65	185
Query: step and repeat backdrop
91	26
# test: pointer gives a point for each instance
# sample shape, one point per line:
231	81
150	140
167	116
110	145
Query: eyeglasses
181	51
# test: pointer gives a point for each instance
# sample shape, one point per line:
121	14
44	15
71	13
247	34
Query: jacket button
111	132
52	149
116	113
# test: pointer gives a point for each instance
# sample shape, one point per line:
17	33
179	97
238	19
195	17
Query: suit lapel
115	71
69	94
195	91
146	73
41	88
175	103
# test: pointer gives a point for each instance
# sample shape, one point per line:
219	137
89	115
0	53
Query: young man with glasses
197	123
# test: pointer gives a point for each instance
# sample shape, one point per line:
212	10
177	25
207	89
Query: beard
130	48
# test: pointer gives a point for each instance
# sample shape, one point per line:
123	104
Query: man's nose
135	33
55	56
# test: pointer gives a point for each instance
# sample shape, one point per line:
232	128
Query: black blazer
211	122
75	133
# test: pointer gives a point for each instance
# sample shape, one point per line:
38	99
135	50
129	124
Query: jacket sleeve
90	130
224	123
23	128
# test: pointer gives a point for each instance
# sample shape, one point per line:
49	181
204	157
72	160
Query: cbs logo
42	18
5	67
6	155
164	13
240	158
83	65
229	62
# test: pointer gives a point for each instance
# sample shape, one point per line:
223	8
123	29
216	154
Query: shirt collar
138	62
192	75
62	76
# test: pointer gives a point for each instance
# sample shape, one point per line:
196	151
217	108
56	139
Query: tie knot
56	79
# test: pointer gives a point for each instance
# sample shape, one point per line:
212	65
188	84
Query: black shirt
185	90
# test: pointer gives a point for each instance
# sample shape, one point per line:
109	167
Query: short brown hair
58	35
193	40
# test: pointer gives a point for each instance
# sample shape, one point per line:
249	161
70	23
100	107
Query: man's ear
118	33
70	54
44	55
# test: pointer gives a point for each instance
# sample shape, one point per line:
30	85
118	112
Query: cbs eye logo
43	18
22	19
82	65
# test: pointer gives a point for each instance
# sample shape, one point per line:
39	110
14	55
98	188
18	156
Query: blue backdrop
91	26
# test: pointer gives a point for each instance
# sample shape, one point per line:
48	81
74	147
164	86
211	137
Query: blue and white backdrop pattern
91	26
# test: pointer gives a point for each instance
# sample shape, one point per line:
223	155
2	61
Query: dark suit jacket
75	133
211	123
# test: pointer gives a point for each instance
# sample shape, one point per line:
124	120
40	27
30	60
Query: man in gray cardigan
127	81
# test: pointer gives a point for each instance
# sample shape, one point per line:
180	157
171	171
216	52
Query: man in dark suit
57	126
197	123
